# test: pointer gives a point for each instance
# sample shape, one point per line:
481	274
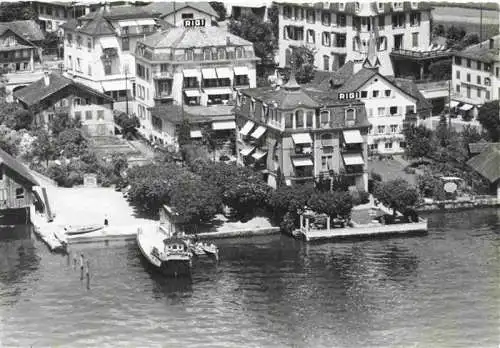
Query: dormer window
342	6
221	53
357	6
414	5
350	117
397	5
239	52
380	6
206	54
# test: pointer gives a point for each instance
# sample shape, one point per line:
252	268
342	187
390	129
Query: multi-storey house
18	52
340	31
476	76
98	50
297	135
176	13
390	103
55	94
195	68
52	14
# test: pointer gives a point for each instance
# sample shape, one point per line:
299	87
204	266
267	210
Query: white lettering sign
190	23
349	95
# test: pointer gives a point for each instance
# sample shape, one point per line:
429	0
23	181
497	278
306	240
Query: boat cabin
175	245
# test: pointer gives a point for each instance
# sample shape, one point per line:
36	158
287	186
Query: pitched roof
195	114
409	87
482	51
38	91
370	8
487	163
119	12
166	8
475	148
357	80
17	166
180	37
95	26
27	29
284	99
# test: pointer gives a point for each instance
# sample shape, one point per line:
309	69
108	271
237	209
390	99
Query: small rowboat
73	230
211	250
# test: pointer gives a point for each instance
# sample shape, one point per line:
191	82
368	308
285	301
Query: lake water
439	290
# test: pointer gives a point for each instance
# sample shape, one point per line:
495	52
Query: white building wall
459	78
179	21
372	105
387	30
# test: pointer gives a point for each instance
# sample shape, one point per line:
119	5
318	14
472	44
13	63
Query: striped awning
209	73
240	70
192	93
466	107
224	73
223	125
259	154
247	150
302	138
247	128
191	73
302	162
195	134
218	91
454	103
258	132
353	159
109	42
352	136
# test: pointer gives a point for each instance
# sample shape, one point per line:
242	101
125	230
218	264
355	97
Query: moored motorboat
210	249
73	230
168	254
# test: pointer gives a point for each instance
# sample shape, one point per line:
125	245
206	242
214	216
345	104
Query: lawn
391	169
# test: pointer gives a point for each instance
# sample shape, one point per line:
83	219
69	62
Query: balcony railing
163	95
420	54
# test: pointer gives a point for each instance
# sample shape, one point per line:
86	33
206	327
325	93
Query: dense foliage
489	117
157	184
302	62
220	9
418	140
14	116
11	11
396	194
251	27
128	124
240	188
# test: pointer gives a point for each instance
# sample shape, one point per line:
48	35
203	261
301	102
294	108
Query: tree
61	122
251	27
43	146
119	162
128	124
14	116
490	120
454	36
418	140
334	204
288	199
220	9
441	70
273	18
71	143
438	30
11	11
302	62
396	194
184	133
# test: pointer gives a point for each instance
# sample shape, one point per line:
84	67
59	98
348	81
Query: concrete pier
368	230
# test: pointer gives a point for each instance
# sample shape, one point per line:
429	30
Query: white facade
51	15
177	18
342	34
106	62
476	76
198	76
386	107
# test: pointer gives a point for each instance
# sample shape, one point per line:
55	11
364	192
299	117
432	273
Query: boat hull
176	268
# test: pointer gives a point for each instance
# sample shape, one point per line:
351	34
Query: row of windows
387	145
297	33
479	92
382	129
474	64
142	72
327	18
16	54
487	81
79	42
89	115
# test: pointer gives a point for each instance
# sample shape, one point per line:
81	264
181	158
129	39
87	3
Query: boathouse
16	188
487	163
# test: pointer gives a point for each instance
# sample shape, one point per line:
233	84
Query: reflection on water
438	290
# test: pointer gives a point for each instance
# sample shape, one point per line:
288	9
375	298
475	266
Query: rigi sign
349	95
189	23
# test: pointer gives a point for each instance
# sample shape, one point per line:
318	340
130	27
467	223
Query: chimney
492	44
228	41
46	78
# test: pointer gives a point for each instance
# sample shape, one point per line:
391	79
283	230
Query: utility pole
126	88
480	23
449	104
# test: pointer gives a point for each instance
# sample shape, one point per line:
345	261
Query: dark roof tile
487	163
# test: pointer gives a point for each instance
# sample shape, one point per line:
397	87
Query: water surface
439	290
